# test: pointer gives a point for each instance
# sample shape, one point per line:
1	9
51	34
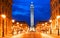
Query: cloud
20	13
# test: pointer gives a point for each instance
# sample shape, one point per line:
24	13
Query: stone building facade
6	9
55	11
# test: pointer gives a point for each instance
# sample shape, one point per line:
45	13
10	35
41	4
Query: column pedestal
32	29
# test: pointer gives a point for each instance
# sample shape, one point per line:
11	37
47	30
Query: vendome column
32	16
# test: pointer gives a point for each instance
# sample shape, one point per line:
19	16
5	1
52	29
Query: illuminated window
59	1
6	2
53	6
3	0
3	9
59	11
56	4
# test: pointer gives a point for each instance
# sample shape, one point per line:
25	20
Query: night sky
21	10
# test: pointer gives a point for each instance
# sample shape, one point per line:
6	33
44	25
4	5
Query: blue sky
21	10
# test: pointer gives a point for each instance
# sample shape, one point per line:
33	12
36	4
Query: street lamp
21	24
50	26
18	30
13	21
3	17
17	23
42	24
46	23
13	25
58	17
57	23
46	26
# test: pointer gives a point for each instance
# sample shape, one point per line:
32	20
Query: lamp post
43	27
21	24
58	23
50	26
46	23
13	21
17	23
42	24
13	25
18	30
46	27
3	17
